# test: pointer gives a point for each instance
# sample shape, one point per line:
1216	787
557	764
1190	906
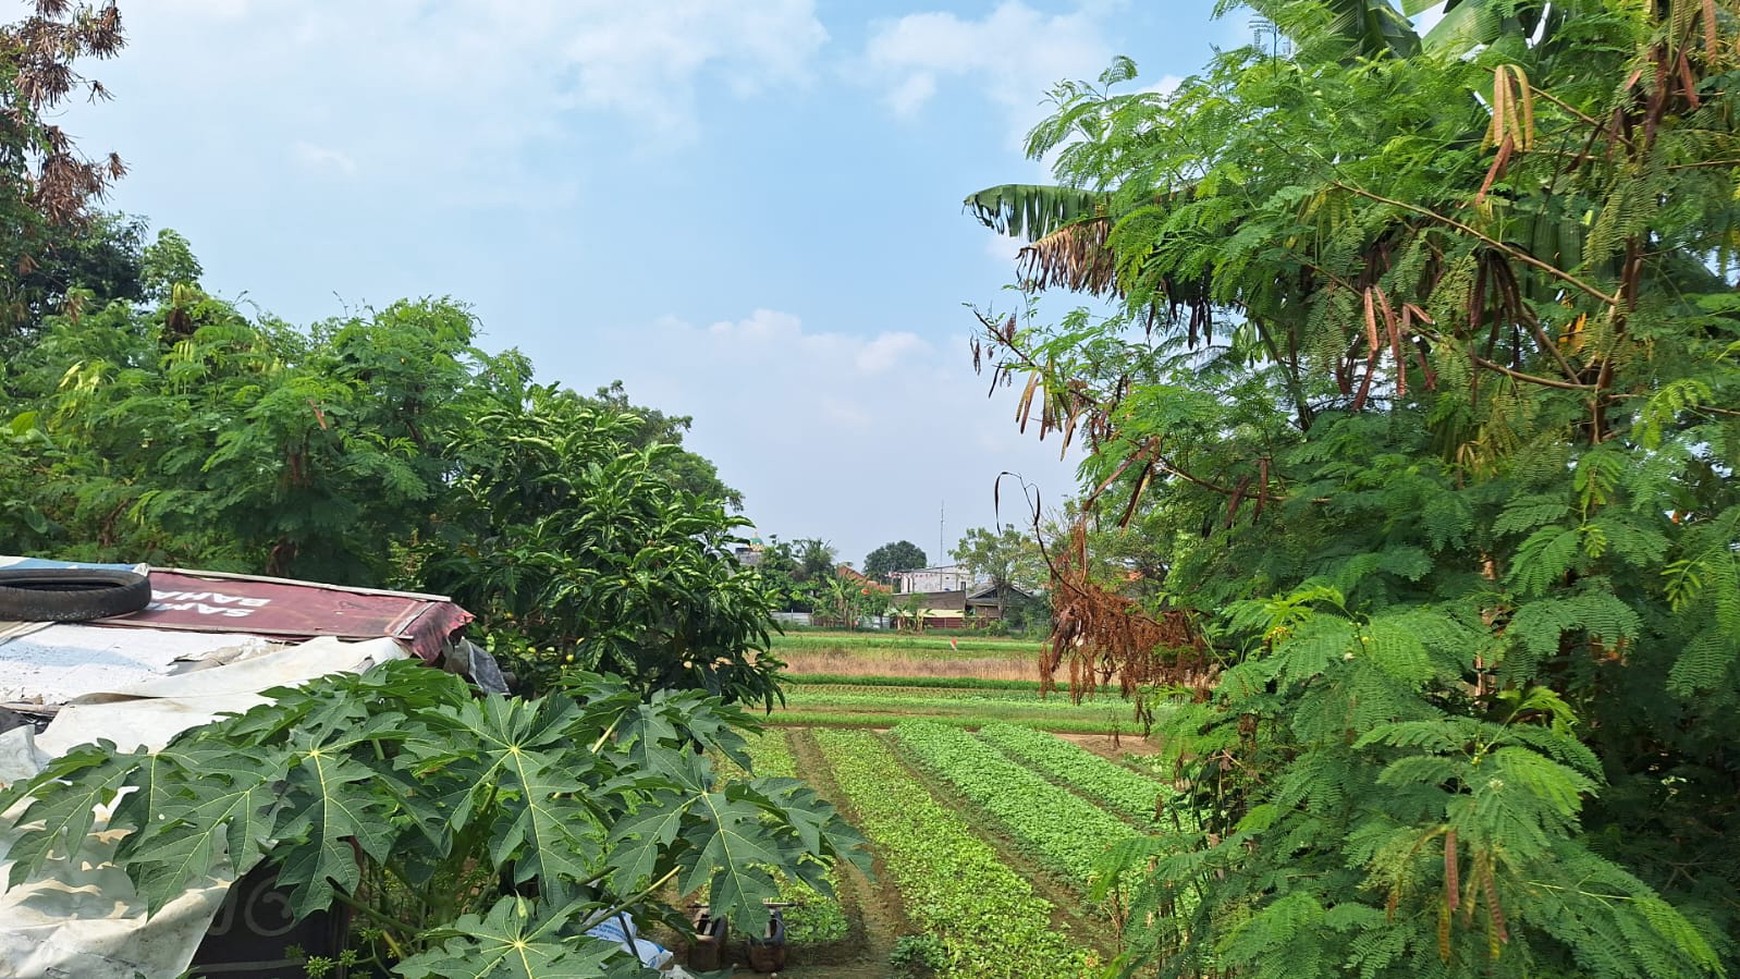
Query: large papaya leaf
64	800
332	809
205	810
657	736
516	755
730	849
639	842
514	942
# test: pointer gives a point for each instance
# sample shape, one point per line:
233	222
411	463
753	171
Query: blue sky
746	210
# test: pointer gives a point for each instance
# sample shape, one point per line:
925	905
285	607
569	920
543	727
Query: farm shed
990	602
206	644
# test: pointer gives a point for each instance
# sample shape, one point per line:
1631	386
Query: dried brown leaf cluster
1098	635
37	56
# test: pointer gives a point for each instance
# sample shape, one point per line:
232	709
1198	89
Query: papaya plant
466	835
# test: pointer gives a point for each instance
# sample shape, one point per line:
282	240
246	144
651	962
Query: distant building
749	555
944	578
959	608
991	601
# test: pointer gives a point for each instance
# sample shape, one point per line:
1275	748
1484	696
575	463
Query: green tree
691	472
381	450
166	263
1418	383
779	570
1007	557
815	559
92	262
850	598
901	555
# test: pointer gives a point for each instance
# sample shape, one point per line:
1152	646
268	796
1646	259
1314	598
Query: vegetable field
985	847
987	807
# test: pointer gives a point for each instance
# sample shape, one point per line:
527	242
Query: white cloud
461	87
850	437
767	332
1012	56
1003	249
761	325
1165	86
887	350
643	59
323	158
911	93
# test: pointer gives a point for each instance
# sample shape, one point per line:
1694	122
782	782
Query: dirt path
1114	747
873	912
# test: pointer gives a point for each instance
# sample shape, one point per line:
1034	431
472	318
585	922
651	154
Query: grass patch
896	642
823	718
925	682
919	698
887	663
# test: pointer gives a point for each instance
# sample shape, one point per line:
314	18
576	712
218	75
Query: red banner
299	610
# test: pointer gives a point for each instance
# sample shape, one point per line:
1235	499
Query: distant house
944	578
858	577
991	601
958	608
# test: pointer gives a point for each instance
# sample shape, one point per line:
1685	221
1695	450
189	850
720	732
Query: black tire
70	594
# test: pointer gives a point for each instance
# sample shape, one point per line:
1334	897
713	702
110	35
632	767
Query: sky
748	211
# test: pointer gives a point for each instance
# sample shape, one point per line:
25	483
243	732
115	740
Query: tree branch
1530	378
1488	240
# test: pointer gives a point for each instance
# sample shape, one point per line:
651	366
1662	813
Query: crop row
771	753
813	918
951	883
1116	787
1055	825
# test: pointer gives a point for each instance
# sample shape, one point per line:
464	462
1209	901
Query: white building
949	577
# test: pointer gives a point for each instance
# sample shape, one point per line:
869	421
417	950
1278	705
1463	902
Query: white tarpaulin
56	663
88	922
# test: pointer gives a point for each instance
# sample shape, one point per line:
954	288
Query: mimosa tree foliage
1421	388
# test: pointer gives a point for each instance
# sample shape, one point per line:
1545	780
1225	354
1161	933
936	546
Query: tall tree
1420	383
900	555
1006	556
46	183
815	558
691	472
379	450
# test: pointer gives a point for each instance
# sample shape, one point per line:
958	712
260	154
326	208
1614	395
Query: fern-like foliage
1421	410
